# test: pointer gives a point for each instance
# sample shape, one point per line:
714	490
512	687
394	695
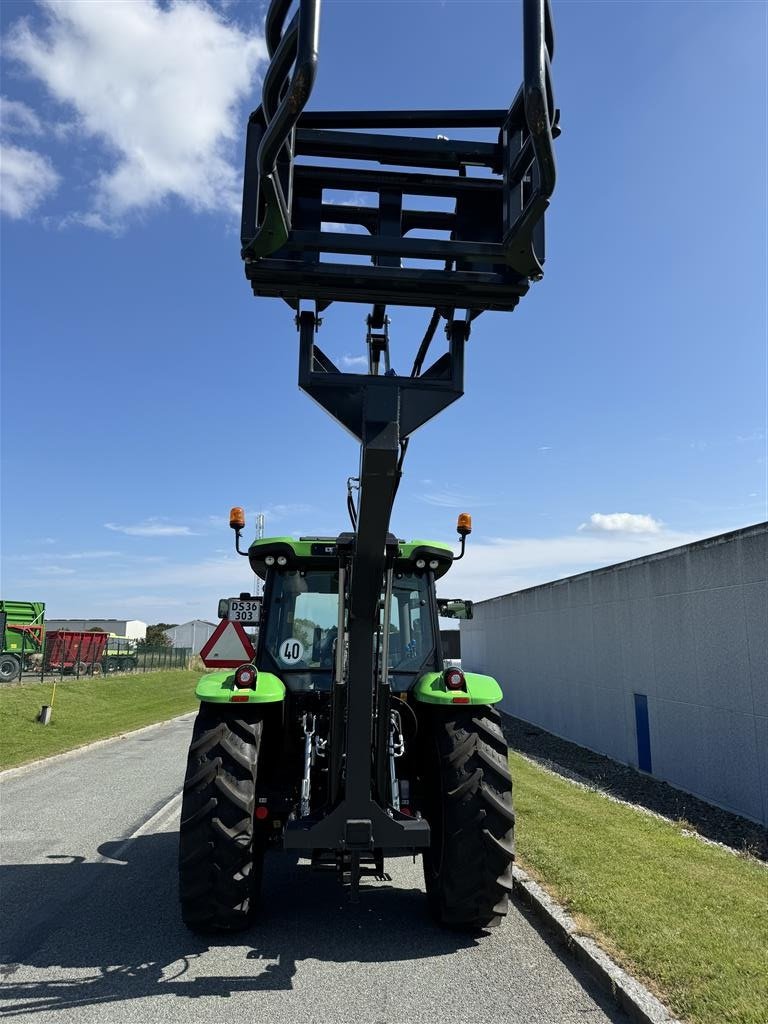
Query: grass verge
85	710
690	919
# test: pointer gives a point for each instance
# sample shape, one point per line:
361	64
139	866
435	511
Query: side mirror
454	608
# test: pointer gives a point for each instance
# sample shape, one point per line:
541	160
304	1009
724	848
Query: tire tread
220	859
469	887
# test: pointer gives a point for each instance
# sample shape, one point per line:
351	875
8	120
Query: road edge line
638	1002
20	769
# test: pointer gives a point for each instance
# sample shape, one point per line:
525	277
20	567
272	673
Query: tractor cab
302	615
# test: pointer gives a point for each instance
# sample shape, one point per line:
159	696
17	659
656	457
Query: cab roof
321	552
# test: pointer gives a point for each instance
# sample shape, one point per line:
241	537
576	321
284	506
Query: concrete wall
687	629
134	629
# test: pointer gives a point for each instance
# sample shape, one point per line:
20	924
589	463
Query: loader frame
494	248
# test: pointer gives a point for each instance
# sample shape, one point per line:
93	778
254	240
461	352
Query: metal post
384	667
340	629
382	713
257	585
378	469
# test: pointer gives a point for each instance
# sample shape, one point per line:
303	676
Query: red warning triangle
227	647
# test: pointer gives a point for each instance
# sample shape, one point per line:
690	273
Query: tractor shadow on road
86	933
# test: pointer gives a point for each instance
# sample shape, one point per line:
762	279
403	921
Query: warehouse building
134	629
660	662
191	635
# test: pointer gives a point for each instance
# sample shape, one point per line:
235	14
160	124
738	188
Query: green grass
88	709
690	919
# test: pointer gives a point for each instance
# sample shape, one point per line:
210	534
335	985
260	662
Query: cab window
303	619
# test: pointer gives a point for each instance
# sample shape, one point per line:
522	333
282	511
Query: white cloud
340	197
354	362
503	565
26	179
286	511
272	513
451	499
491	567
91	554
332	225
159	85
621	522
69	556
146	591
152	528
139	604
171	580
18	118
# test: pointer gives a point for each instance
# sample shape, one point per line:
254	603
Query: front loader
342	736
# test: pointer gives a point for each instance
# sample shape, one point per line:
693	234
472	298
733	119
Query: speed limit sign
291	651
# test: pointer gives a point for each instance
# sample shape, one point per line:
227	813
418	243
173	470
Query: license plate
243	611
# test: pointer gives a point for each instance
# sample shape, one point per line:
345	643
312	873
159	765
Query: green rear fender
219	688
430	689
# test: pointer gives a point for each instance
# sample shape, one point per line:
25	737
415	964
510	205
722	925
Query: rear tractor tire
10	668
220	856
468	804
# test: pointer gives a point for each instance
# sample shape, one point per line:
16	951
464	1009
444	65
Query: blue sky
621	409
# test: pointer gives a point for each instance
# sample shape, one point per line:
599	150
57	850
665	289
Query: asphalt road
91	930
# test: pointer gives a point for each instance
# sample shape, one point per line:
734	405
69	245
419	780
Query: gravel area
625	783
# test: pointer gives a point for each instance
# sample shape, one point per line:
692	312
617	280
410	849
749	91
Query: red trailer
78	652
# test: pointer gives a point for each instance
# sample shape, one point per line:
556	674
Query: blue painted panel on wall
643	730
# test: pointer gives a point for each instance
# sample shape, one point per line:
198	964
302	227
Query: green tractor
266	762
120	654
22	637
342	736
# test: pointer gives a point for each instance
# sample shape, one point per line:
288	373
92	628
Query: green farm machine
120	654
22	634
341	736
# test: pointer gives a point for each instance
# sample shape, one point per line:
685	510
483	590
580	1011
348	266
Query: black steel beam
403	119
415	248
292	280
410	183
367	216
405	150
